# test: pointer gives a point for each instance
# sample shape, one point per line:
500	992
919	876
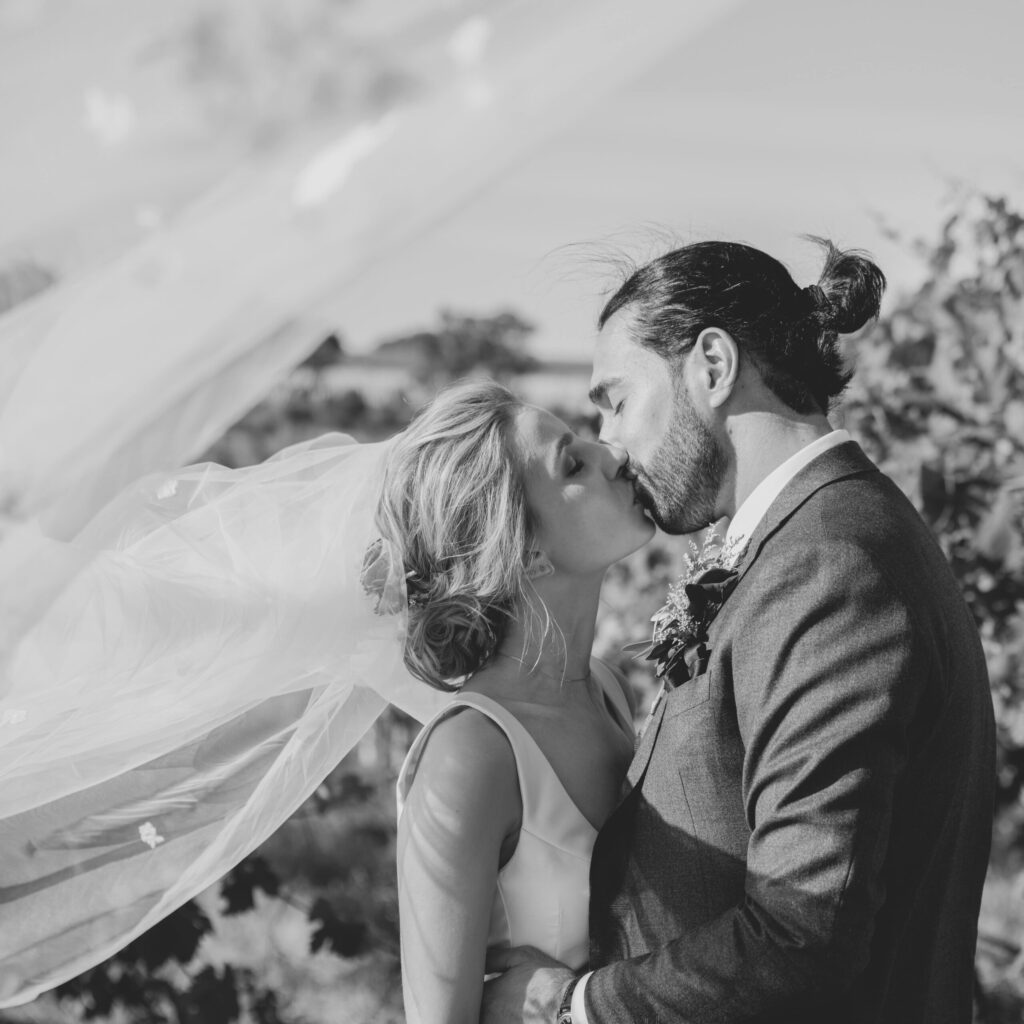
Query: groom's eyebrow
599	391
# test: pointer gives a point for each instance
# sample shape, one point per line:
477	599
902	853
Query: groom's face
646	407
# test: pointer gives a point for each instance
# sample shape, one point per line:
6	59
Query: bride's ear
537	565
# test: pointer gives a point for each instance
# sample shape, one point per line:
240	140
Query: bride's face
585	509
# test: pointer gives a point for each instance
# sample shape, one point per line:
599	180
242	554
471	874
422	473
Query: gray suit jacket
809	824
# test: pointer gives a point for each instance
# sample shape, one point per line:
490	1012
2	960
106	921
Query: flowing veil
181	671
178	677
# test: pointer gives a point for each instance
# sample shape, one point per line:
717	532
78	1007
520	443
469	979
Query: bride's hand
529	988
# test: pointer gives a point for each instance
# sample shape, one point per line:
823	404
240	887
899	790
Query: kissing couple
801	832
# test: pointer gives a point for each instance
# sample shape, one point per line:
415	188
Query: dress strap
522	743
544	797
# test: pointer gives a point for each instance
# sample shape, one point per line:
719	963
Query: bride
506	522
181	674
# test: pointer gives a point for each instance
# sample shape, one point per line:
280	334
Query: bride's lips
643	499
640	496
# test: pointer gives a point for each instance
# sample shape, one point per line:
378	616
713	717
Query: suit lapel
643	752
845	460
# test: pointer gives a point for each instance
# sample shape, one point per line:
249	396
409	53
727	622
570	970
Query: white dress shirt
747	519
749	515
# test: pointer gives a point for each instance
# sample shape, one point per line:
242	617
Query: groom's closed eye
599	393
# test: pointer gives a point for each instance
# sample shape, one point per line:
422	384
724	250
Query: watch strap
565	1007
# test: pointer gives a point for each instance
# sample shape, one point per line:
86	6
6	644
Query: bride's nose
617	459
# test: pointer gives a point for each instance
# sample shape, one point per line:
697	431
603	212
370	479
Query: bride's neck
554	637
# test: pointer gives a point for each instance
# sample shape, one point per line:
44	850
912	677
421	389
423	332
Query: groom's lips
640	494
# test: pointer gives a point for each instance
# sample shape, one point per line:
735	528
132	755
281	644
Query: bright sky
778	118
760	129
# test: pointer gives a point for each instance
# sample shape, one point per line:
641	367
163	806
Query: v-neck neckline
473	696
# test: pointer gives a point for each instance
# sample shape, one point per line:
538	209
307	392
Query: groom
807	829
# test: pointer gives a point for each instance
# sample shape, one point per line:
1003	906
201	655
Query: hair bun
449	637
849	292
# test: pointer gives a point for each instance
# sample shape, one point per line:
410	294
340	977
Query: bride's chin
644	528
646	519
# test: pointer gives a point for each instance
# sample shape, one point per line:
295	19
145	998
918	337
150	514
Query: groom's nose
605	435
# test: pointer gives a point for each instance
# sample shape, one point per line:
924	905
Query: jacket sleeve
826	681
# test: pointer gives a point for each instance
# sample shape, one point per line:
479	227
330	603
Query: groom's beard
680	485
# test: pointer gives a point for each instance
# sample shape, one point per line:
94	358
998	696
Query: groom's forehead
611	369
619	361
608	361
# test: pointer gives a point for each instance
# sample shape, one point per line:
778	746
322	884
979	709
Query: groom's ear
537	565
718	364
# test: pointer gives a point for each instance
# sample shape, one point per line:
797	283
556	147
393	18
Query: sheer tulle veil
176	679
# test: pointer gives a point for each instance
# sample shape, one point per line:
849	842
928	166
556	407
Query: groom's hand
529	988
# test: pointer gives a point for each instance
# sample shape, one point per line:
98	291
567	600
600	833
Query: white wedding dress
543	893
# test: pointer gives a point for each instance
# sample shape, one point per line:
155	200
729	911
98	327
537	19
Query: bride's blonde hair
454	508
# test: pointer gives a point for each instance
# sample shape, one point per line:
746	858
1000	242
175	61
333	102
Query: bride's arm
462	807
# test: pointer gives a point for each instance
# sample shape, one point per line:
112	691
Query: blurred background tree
464	345
938	402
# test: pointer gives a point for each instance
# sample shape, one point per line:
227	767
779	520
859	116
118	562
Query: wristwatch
565	1008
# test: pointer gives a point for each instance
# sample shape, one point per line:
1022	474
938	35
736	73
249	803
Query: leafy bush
938	402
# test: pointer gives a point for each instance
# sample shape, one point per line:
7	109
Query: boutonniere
679	644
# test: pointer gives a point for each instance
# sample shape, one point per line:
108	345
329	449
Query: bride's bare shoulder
468	763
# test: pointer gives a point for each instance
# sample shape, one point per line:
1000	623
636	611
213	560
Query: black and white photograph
511	512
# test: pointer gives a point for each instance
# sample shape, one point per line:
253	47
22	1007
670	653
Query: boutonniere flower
679	644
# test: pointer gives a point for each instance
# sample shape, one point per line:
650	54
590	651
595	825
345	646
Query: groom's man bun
791	334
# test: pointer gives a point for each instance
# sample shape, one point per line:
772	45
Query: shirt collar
760	499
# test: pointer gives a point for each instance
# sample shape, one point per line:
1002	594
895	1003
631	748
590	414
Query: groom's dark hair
789	333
